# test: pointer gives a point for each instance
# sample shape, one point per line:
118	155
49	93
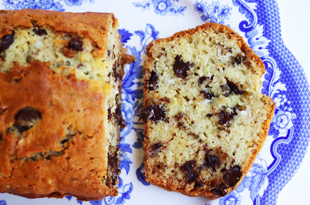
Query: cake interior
204	112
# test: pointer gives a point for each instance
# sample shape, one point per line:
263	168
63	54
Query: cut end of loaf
205	117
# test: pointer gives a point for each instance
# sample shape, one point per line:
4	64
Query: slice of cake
204	114
60	103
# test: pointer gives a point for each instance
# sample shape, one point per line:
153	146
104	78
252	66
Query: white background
295	23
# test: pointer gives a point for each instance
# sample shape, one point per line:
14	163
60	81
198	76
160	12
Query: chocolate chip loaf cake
204	114
60	103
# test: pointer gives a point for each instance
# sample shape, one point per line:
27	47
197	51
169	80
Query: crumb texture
60	104
205	117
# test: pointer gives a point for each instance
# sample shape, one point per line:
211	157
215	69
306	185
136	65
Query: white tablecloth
295	22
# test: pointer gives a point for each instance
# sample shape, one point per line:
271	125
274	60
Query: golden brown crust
87	25
214	27
252	61
66	104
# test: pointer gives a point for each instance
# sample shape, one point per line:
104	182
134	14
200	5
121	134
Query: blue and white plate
258	22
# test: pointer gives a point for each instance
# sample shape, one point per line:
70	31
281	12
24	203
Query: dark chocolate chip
226	90
201	80
190	171
69	135
39	31
179	116
180	124
207	94
152	82
180	67
186	98
113	169
209	115
239	59
76	44
118	115
109	114
117	72
233	87
220	191
81	65
156	148
194	135
212	161
6	41
26	118
198	184
165	99
233	175
226	117
153	112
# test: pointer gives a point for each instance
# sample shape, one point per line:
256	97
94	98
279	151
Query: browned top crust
62	152
216	28
94	26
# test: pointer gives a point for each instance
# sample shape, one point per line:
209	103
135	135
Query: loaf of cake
204	114
60	103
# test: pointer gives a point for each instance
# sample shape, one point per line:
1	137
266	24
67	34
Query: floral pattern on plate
287	139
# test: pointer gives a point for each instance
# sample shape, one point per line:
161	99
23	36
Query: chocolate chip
194	135
233	175
180	67
118	115
190	171
209	115
180	124
6	41
179	116
198	184
156	148
152	82
239	59
109	114
220	191
117	73
201	80
113	169
233	87
39	31
212	161
26	118
226	117
165	99
226	90
186	98
81	65
207	94
153	112
76	44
